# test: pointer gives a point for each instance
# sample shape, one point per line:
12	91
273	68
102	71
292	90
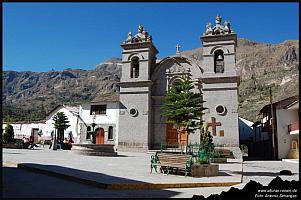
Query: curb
9	164
125	186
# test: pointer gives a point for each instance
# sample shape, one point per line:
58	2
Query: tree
182	107
8	135
60	124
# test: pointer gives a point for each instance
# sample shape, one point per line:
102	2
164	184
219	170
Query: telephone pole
272	121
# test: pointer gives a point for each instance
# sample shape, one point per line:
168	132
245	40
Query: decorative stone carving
177	69
218	29
227	28
141	36
209	30
130	38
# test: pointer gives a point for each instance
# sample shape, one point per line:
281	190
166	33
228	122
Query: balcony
293	128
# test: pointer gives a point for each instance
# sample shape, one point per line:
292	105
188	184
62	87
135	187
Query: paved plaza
134	168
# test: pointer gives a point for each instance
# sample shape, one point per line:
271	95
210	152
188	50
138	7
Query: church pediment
170	66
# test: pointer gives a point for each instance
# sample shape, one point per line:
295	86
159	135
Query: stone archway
99	136
166	73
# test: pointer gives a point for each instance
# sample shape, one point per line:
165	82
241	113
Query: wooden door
171	135
34	134
183	138
99	136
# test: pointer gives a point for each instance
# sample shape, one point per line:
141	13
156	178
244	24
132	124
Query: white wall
24	129
284	118
72	122
111	116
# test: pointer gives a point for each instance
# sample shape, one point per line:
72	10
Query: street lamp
92	135
54	145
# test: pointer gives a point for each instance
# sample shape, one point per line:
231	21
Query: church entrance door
99	136
171	135
183	138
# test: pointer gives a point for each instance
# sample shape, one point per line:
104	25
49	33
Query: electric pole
272	121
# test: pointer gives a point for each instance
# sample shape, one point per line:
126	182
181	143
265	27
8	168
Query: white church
132	120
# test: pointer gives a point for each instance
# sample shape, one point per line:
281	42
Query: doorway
171	135
99	136
35	135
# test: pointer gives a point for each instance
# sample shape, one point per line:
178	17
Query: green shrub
8	135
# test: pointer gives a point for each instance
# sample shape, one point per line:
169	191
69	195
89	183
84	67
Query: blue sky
45	36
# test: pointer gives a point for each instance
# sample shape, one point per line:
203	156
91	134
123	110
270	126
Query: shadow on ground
100	180
273	174
19	183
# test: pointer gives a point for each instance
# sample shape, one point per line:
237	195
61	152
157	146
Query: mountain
260	65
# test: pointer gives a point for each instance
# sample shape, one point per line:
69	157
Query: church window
135	67
221	110
98	109
219	64
110	133
133	112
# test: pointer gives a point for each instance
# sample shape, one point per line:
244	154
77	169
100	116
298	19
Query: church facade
145	82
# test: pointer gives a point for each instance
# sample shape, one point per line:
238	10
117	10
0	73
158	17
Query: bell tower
138	62
220	83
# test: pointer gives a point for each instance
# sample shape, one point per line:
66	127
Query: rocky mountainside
260	66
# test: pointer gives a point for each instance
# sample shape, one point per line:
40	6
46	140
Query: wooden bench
170	161
226	152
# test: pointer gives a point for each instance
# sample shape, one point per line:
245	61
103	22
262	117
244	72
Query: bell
219	57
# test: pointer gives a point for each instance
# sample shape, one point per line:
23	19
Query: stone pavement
134	168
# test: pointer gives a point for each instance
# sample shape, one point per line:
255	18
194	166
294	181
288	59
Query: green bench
170	162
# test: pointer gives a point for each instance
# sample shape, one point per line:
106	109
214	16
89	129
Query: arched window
110	133
135	67
219	64
88	132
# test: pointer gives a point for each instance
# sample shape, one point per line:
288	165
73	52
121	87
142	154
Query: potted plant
202	166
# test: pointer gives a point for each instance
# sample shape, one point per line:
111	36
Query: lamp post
92	135
54	146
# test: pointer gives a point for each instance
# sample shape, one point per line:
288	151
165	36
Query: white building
72	114
288	130
27	129
101	116
285	126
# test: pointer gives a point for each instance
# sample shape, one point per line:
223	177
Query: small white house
102	117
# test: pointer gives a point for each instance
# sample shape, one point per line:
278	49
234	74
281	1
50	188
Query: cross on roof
214	124
178	48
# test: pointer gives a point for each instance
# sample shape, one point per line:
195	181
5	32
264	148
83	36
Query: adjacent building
283	130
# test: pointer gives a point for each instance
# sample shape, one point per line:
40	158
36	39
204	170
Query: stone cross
178	48
214	124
